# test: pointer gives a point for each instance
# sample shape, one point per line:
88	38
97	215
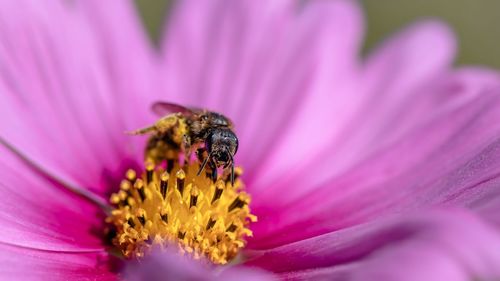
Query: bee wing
162	108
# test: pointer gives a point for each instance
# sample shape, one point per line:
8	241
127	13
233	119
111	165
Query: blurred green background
476	23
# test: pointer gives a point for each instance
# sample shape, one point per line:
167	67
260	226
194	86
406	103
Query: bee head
222	145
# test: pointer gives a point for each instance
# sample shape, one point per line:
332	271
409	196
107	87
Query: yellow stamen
178	207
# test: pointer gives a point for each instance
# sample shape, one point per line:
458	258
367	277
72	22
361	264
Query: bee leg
202	167
232	168
142	131
186	147
232	174
214	170
214	175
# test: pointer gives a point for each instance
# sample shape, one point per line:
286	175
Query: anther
231	228
125	185
238	171
181	234
219	188
164	185
164	214
139	185
149	172
115	199
237	203
164	217
181	176
123	195
131	175
194	197
211	222
141	216
131	222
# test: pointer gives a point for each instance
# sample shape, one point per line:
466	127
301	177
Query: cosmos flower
381	168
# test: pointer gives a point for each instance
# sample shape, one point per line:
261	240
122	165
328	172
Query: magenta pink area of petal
394	91
428	245
33	265
66	98
130	60
446	161
65	102
418	123
38	212
47	232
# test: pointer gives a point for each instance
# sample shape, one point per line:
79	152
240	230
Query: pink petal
406	77
257	62
204	43
328	100
129	59
37	212
167	265
58	103
28	264
432	245
447	160
398	74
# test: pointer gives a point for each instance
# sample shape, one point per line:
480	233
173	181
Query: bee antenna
232	166
232	173
202	167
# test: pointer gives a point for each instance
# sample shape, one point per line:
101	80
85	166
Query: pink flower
382	168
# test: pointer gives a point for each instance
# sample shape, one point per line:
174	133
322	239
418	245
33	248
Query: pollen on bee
175	205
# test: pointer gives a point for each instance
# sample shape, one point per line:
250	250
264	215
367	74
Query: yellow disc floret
177	207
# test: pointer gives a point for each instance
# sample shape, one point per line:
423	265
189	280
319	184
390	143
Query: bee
184	129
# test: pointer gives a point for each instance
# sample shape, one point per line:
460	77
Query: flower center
175	206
